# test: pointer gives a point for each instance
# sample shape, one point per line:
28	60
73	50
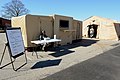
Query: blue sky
79	9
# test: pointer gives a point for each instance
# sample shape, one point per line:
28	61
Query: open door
92	31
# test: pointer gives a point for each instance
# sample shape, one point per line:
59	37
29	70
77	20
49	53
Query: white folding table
43	42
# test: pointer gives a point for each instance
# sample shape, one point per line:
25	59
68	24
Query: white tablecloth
45	41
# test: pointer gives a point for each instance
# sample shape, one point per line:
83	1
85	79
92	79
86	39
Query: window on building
64	23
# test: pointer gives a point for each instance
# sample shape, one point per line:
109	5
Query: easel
12	61
13	36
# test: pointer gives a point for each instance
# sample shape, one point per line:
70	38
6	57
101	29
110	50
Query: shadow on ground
102	67
61	51
84	43
46	63
65	49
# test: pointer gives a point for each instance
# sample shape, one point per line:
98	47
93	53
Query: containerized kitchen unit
65	28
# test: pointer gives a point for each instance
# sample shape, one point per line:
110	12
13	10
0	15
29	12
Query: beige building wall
117	28
63	33
106	28
31	26
35	24
77	27
20	22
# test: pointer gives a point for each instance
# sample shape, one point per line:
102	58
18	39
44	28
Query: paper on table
54	36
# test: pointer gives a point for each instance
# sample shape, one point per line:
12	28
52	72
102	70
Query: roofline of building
4	19
115	21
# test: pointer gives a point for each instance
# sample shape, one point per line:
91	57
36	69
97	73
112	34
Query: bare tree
13	9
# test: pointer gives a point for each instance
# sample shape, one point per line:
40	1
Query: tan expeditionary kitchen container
65	28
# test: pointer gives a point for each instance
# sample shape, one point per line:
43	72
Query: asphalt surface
102	67
89	59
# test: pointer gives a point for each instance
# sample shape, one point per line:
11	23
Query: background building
4	23
101	28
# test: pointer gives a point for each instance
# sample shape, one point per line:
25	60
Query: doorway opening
92	31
